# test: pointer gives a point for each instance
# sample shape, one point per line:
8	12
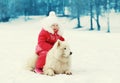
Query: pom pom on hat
52	13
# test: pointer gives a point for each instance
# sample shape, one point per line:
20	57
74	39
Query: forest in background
10	9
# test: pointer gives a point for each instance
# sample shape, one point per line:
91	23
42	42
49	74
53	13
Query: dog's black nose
70	53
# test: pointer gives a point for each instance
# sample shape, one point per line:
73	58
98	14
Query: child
49	34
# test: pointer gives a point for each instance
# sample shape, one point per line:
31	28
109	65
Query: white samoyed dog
58	59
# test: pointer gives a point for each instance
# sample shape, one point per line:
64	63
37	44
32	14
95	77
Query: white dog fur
30	64
58	60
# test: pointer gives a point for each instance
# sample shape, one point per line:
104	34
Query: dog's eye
64	48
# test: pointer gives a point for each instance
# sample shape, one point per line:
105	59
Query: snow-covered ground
95	59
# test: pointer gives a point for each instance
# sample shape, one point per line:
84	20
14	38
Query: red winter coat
46	40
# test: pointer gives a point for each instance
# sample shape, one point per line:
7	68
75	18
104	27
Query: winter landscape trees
72	8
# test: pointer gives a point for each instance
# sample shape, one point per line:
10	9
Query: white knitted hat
48	21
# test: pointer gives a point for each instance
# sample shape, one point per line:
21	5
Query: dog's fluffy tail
30	63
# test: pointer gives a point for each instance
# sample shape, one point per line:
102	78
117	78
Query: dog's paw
49	72
68	72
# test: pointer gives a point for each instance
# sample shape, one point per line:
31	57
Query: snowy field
95	59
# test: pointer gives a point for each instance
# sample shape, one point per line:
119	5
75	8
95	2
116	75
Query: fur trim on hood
48	21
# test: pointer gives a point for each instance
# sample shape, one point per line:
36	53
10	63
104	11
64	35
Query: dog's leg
68	72
49	72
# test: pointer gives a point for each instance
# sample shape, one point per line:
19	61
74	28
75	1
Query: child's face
55	27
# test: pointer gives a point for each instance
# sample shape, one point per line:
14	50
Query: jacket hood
51	31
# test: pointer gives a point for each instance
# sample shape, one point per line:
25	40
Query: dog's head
63	48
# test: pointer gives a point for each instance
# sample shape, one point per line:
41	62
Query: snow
95	59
